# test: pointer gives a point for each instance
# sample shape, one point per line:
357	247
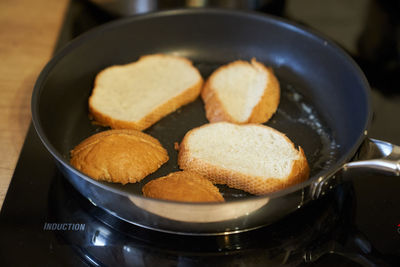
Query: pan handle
373	154
377	155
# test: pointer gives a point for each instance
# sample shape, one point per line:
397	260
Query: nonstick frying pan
324	108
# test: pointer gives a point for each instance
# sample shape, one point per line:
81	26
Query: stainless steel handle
373	154
377	155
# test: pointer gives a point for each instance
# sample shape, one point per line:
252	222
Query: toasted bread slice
119	156
241	92
252	157
185	186
137	95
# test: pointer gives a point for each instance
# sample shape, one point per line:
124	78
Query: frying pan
324	108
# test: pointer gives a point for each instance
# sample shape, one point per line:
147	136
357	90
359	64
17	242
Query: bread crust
119	156
262	111
187	96
253	184
269	102
186	186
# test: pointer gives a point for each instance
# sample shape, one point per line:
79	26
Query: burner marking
64	226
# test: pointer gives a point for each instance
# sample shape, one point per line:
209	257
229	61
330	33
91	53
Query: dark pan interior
324	104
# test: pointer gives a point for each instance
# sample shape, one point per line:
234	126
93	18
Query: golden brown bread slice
137	95
185	186
241	92
251	157
119	156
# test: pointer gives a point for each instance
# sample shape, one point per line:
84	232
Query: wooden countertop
28	34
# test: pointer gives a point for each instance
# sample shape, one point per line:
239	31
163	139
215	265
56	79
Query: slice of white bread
251	157
241	92
119	156
138	94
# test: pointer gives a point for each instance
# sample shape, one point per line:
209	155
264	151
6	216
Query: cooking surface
31	206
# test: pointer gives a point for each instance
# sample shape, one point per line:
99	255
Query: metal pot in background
126	7
132	7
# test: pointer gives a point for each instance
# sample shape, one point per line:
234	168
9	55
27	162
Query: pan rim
76	42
